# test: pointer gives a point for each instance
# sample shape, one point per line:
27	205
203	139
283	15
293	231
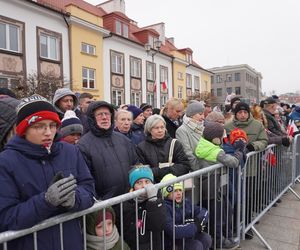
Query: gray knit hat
193	108
213	132
70	124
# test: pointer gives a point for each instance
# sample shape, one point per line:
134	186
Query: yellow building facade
86	51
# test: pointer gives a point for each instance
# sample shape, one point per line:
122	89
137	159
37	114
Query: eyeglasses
102	114
40	128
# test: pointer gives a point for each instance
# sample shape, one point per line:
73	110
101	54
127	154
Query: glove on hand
58	192
239	144
200	224
250	147
151	192
70	202
285	141
239	155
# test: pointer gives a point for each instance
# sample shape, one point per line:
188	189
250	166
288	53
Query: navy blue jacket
26	171
183	229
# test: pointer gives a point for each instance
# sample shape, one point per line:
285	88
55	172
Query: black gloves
199	224
250	147
285	141
240	145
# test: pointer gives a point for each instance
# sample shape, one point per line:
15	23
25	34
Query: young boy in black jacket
151	212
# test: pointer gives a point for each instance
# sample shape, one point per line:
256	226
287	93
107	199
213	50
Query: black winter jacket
151	217
153	152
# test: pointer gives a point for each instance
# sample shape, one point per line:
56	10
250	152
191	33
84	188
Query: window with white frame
125	30
117	97
135	98
188	81
135	67
164	74
8	82
49	47
117	62
150	69
118	27
228	77
9	37
150	99
151	40
88	48
219	91
180	92
163	100
218	80
189	58
88	78
197	82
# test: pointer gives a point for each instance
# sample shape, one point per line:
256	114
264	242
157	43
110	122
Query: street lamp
153	51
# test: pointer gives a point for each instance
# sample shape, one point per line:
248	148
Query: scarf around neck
95	242
198	127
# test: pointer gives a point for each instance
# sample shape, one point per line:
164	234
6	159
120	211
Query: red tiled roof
60	5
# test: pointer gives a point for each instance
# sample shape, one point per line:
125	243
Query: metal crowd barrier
213	182
268	175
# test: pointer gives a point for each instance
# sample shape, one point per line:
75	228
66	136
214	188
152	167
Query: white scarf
96	243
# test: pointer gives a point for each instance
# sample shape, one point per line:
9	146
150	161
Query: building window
136	98
197	82
188	80
163	100
150	69
212	92
9	83
237	90
125	30
88	78
150	99
179	92
179	76
229	90
9	37
228	78
189	58
237	77
218	80
117	63
118	27
163	74
88	49
117	97
49	47
135	67
219	91
212	79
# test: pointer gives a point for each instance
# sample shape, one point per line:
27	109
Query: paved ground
280	227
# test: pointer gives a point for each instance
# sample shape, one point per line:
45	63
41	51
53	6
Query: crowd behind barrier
248	194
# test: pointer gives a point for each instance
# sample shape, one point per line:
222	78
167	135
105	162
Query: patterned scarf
198	127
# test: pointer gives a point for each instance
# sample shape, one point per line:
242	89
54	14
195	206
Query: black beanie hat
241	106
212	131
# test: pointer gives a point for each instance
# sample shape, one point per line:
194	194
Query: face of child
108	228
141	183
176	195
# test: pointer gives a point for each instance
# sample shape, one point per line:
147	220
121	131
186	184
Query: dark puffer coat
153	152
108	154
26	171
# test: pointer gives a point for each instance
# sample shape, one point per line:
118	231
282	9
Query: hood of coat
31	150
94	128
60	93
207	150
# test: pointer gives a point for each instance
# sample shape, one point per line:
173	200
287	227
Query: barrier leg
261	238
292	190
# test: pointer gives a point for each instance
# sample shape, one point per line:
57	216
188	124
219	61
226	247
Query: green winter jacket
207	150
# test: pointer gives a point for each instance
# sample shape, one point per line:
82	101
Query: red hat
236	134
34	109
108	216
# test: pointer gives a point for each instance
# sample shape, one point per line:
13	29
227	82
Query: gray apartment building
239	79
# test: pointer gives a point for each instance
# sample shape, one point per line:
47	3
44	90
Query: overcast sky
262	33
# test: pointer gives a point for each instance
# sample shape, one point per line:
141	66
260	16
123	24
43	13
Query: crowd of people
64	155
